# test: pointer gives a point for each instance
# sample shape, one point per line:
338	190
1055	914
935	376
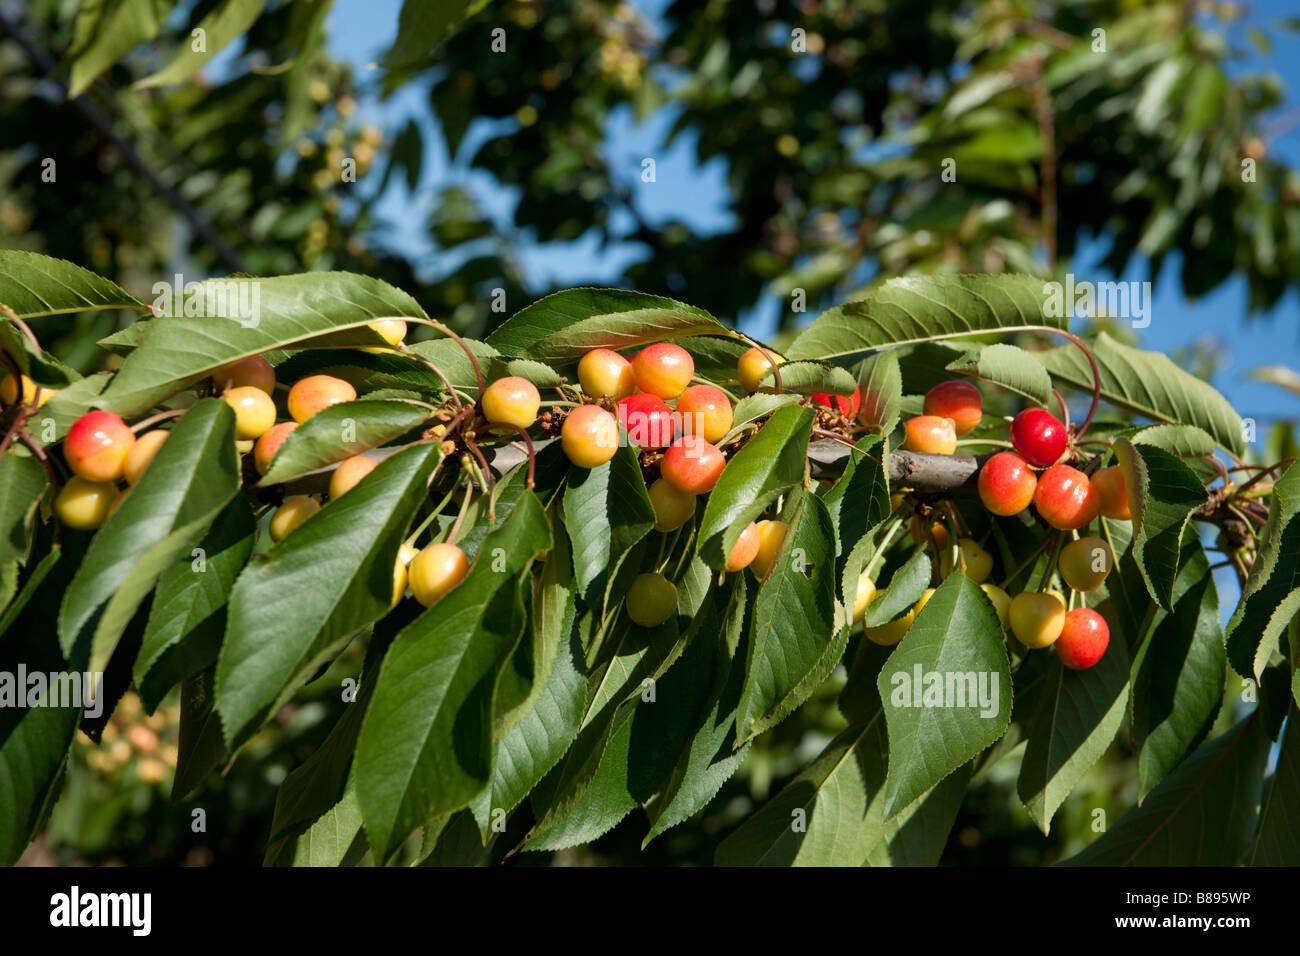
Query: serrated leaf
22	482
106	31
1185	441
1278	842
56	416
421	28
1011	367
201	748
607	510
810	376
339	432
905	588
880	383
753	407
294	608
221	26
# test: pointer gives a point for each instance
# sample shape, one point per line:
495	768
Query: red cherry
1083	640
1039	436
1066	498
1006	485
847	405
693	465
647	420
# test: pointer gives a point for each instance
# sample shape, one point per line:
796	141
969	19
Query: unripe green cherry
436	571
651	600
348	473
673	507
141	453
512	401
252	372
745	550
1085	563
589	436
292	513
317	392
603	373
254	411
1037	618
85	505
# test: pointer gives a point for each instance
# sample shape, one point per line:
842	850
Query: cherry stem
839	438
160	417
528	439
1057	543
1065	409
429	519
1092	362
12	316
39	452
442	375
487	478
464	508
473	359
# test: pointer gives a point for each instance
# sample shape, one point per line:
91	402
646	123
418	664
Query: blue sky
358	32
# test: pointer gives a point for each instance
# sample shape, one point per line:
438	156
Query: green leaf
955	647
192	477
793	622
201	748
1185	441
756	406
428	740
221	26
806	377
22	482
1165	492
339	432
1203	814
772	462
1256	626
1149	384
106	31
607	510
568	324
453	362
913	309
1178	672
1011	367
905	588
1278	842
421	28
225	320
293	609
35	286
880	383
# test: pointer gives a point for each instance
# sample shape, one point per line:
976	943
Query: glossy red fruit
1083	640
96	446
930	435
705	411
692	464
1110	485
1039	436
647	420
1006	484
846	405
958	400
663	369
1066	498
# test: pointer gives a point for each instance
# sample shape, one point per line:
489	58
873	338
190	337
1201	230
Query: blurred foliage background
857	140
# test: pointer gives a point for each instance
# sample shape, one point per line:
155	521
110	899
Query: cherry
938	531
348	473
1113	492
1085	563
651	600
1037	617
705	411
292	513
751	368
511	400
251	372
1001	602
745	550
663	369
254	411
931	435
891	633
979	563
316	392
1039	436
958	400
393	331
85	505
589	436
866	593
97	445
1006	485
846	405
141	453
9	393
1065	498
405	554
673	507
603	373
1084	639
692	464
646	420
436	571
771	535
269	444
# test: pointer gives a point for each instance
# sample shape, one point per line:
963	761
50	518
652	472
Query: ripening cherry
292	513
85	505
771	535
751	368
705	411
252	372
603	373
1001	602
673	507
141	454
979	563
436	571
651	600
846	405
894	631
663	369
692	464
1039	436
1113	492
589	436
1084	639
254	411
930	435
1037	617
1085	563
97	445
938	532
1006	485
9	393
1065	498
866	593
512	401
317	392
348	473
646	420
405	554
745	550
958	400
393	331
269	444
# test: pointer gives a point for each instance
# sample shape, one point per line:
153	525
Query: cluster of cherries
1065	498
